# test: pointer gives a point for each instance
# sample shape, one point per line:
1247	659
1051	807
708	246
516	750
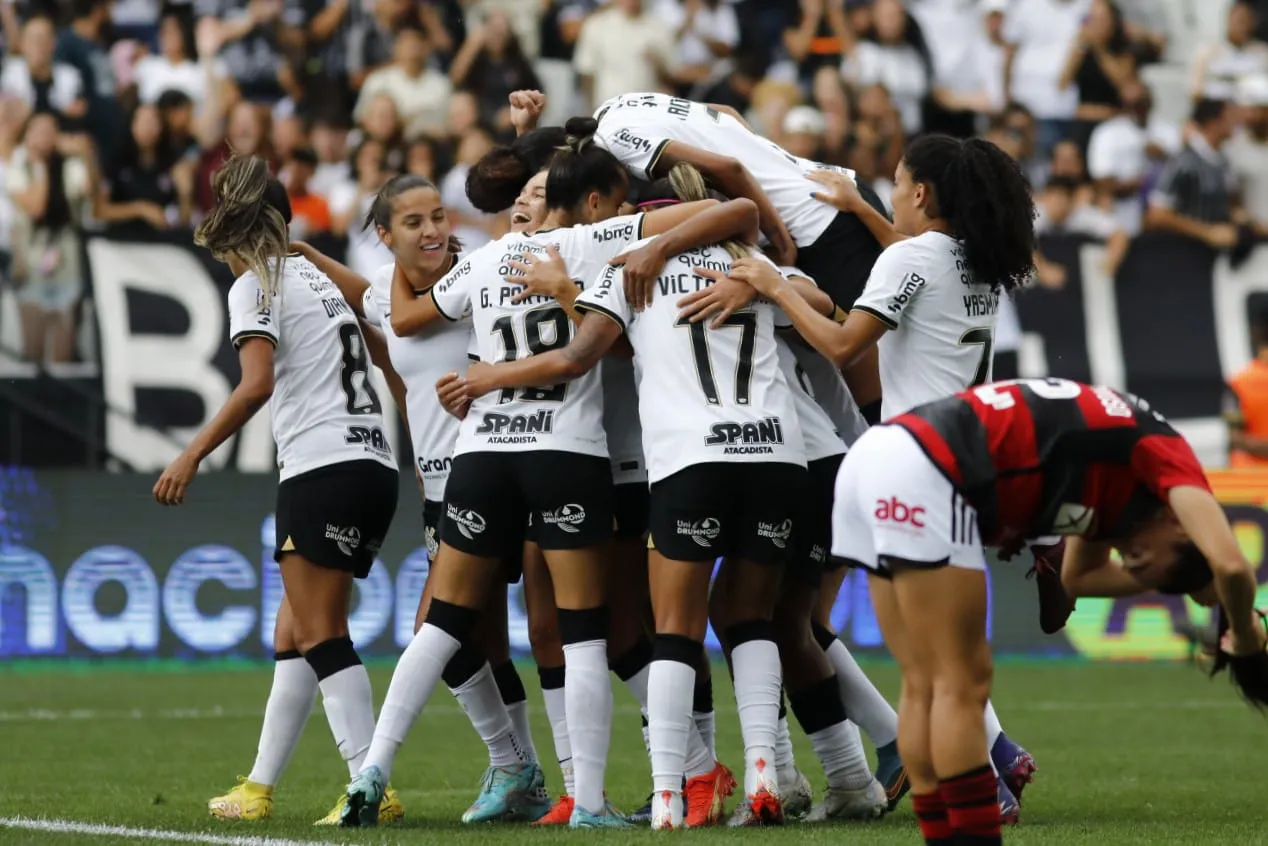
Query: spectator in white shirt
706	31
1218	67
419	92
1042	32
174	68
891	61
35	79
1125	150
967	68
1247	150
623	48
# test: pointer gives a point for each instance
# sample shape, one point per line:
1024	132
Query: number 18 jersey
704	395
324	409
567	417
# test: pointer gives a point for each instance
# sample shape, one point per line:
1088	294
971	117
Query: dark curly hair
986	201
1249	672
496	180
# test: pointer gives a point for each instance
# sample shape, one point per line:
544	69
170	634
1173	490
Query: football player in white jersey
539	451
411	221
302	352
966	218
718	435
650	132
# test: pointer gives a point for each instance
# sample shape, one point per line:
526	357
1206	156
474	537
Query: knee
543	634
968	685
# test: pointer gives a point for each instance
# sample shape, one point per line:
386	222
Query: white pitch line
98	830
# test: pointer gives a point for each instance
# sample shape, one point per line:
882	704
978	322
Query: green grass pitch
1128	753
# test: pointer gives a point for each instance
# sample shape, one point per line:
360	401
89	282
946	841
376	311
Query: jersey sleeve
893	285
452	295
607	240
607	297
637	147
251	312
1162	462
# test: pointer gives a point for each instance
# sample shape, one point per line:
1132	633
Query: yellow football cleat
247	801
390	809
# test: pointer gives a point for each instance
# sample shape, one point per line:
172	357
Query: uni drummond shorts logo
702	532
346	539
567	518
469	522
778	533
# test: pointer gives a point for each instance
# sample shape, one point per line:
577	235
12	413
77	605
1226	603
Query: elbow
405	326
574	369
258	390
748	216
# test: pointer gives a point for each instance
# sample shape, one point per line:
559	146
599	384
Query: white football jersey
569	416
704	395
942	321
324	409
421	360
620	421
636	127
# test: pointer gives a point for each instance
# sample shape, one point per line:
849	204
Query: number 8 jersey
324	409
567	417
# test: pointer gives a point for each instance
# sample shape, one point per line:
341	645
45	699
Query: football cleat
705	796
797	796
365	794
1009	807
390	810
891	773
1019	773
510	793
764	806
559	814
247	801
667	810
864	803
609	817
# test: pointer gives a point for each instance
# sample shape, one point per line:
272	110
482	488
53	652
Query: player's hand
1248	644
719	301
642	266
840	191
304	248
757	274
526	109
782	249
543	277
1221	236
479	379
170	488
451	390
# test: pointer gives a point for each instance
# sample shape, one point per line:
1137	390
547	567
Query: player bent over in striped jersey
338	487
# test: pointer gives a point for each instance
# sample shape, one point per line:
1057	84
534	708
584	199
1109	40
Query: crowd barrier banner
90	566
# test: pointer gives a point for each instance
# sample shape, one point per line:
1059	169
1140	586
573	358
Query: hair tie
647	204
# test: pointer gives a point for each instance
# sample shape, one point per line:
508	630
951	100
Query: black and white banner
1170	327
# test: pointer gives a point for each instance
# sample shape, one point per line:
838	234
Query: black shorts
814	522
512	560
629	505
338	515
841	260
736	509
491	496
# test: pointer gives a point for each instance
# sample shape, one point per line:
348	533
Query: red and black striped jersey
1050	456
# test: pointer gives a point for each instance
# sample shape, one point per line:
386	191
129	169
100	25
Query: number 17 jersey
567	417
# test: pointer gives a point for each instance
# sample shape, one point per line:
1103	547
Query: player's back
941	321
636	127
705	394
324	408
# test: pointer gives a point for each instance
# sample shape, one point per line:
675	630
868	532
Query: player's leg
290	701
482	509
866	706
571	500
548	653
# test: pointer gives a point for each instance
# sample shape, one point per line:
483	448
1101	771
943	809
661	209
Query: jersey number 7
747	323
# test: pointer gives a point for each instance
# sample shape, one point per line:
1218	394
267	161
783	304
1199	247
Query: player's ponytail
497	178
580	130
986	202
1248	672
579	168
249	220
380	214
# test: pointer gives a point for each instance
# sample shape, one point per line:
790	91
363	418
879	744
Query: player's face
909	199
420	229
529	209
600	207
1152	552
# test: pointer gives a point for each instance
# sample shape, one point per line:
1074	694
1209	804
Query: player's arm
352	285
594	337
1086	570
1204	521
842	193
376	345
732	178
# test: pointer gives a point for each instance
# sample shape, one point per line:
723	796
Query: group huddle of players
671	360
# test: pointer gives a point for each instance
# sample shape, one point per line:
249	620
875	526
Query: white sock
557	714
708	730
480	698
416	675
669	726
290	702
785	763
588	693
840	750
349	703
698	760
993	731
757	682
863	702
518	712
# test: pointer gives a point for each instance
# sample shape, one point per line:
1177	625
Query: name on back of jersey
747	437
981	305
516	428
509	289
